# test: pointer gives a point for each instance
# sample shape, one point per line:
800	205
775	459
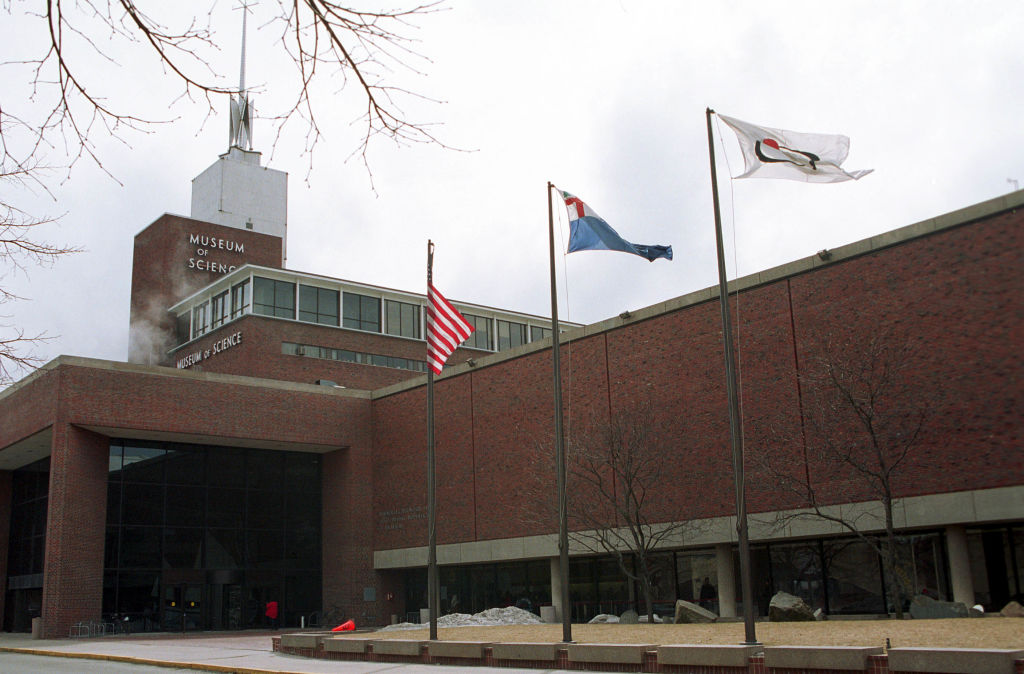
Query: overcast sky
604	99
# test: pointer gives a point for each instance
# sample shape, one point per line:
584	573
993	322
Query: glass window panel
265	549
273	298
185	466
225	549
182	327
796	569
200	319
318	305
510	335
226	466
185	505
114	469
140	547
225	507
137	597
403	319
143	464
240	299
265	469
183	548
854	577
220	309
113	502
110	548
143	504
266	510
301	471
480	338
539	333
303	548
361	312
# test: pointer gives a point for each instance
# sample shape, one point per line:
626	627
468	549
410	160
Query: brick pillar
5	532
347	538
75	527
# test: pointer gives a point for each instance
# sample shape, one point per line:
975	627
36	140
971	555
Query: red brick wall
75	523
957	293
164	271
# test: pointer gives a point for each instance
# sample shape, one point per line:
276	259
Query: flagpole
432	580
563	526
734	408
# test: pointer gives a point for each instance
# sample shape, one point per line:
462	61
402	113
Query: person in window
708	594
271	614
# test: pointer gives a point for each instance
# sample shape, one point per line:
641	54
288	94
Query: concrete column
556	589
726	581
959	565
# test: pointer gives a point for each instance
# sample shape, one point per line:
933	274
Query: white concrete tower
236	191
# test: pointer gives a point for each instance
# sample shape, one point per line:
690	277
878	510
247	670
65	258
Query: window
240	299
273	298
200	319
362	312
539	333
181	327
403	319
481	337
219	309
318	305
510	335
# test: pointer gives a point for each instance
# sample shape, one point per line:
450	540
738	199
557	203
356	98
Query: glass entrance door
182	608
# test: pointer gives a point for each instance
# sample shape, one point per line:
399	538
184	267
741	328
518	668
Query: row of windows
271	297
346	356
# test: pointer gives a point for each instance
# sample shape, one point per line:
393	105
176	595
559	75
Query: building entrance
183	608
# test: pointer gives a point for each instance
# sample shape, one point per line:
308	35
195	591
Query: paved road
247	652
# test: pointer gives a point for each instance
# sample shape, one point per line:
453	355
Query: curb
171	664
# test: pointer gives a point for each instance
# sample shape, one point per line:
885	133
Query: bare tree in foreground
618	481
865	410
76	103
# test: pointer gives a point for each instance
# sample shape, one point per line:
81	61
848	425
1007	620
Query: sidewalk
245	653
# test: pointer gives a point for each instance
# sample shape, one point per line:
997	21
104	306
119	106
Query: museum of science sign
220	346
204	244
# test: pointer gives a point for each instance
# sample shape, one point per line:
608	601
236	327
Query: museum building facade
265	440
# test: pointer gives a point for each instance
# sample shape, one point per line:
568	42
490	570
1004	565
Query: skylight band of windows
346	356
333	307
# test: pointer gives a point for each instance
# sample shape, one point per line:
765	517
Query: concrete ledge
345	645
628	654
728	655
525	650
457	649
301	640
850	658
396	647
953	660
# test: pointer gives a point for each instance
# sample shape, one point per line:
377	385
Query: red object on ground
346	626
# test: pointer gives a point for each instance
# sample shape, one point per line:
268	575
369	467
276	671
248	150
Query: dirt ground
990	632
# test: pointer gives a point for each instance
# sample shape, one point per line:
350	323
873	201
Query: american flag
446	329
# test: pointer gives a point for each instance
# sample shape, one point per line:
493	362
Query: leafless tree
71	112
865	409
618	496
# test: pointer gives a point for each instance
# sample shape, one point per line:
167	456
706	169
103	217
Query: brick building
266	439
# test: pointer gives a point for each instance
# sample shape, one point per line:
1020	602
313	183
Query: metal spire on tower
240	133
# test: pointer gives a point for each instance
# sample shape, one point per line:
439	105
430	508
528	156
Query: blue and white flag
589	231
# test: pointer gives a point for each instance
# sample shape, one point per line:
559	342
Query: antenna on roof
240	133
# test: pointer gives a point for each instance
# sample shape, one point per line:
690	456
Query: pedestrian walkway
241	652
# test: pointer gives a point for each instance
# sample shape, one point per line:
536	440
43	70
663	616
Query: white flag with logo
776	153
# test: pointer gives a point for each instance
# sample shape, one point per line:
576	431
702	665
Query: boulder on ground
604	618
688	612
1012	610
629	618
785	607
923	607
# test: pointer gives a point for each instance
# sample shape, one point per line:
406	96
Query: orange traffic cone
346	626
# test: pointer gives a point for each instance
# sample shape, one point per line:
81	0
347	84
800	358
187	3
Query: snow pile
604	618
510	615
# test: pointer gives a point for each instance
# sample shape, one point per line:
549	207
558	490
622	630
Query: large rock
787	608
923	607
629	618
687	612
1012	610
